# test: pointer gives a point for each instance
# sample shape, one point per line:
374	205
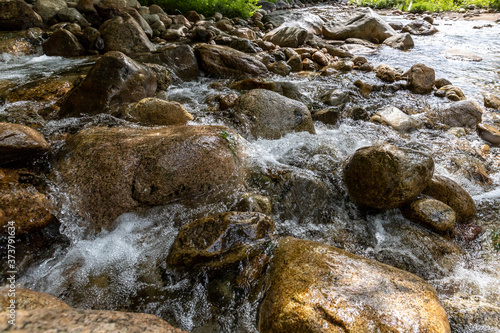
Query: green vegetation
427	5
495	237
229	8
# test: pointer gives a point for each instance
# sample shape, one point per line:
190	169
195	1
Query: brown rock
154	111
27	299
115	79
272	115
17	15
22	203
124	34
228	101
110	171
385	73
446	190
19	142
464	311
320	58
319	288
221	240
400	41
308	65
287	36
64	44
439	83
385	176
327	116
421	79
431	213
77	320
492	101
489	133
462	114
251	202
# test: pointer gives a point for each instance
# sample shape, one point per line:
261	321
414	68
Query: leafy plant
426	5
229	8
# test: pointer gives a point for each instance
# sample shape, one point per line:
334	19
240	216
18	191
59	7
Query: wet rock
396	25
45	90
224	25
295	63
154	111
228	101
221	240
266	6
420	28
23	204
364	23
86	6
124	34
320	58
421	79
223	61
72	15
462	114
463	55
287	36
305	20
466	310
272	115
489	133
64	44
287	89
245	33
400	41
327	116
141	168
395	118
492	101
27	299
243	45
336	97
439	83
308	65
91	39
115	79
385	176
431	213
280	68
20	43
446	190
339	291
17	15
49	320
451	92
48	9
386	73
140	20
20	143
252	202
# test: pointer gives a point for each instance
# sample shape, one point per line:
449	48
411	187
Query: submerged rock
19	142
223	61
431	213
463	55
364	23
110	171
452	194
319	288
385	176
222	240
115	79
271	115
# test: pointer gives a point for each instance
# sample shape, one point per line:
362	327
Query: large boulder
446	190
27	299
421	79
271	115
292	18
400	41
18	15
221	240
385	176
154	111
77	320
48	9
287	36
115	79
472	314
461	114
319	288
223	61
64	44
110	171
19	142
124	34
21	203
364	23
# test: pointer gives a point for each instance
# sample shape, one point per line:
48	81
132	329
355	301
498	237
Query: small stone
492	101
228	101
385	73
320	58
395	118
489	133
154	111
327	116
431	213
280	68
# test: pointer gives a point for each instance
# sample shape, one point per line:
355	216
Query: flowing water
125	268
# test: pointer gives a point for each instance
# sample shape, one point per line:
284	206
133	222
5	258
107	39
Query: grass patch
229	8
427	5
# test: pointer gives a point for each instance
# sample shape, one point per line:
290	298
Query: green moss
495	237
426	5
227	136
229	8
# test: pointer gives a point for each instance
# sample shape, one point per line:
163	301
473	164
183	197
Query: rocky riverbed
311	169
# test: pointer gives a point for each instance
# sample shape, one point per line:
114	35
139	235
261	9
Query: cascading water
125	268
